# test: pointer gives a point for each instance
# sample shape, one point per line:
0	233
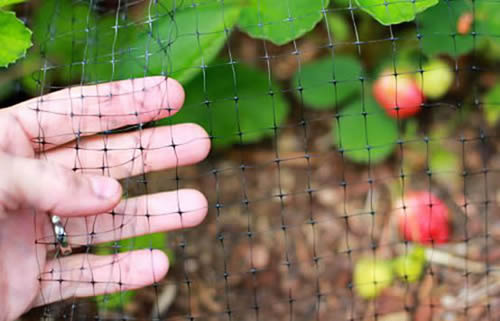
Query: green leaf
34	81
15	38
108	49
5	3
438	28
59	29
389	12
354	132
487	24
491	105
148	241
281	21
328	82
339	27
114	301
260	106
6	89
62	31
180	47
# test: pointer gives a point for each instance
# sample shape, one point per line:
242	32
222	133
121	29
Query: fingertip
162	97
175	94
160	265
194	206
195	139
202	139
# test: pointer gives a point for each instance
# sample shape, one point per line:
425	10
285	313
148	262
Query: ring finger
136	216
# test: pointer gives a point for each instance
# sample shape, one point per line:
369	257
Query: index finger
65	115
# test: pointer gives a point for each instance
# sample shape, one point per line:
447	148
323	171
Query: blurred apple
400	96
424	218
371	276
436	79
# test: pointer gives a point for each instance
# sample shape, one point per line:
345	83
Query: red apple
400	96
424	218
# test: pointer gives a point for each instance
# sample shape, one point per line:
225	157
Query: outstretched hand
53	162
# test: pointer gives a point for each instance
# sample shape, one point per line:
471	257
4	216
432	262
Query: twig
165	300
490	285
445	259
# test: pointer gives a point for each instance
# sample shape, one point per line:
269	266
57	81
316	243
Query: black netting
349	160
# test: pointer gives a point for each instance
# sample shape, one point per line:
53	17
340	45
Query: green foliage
438	28
491	105
182	46
115	301
5	3
488	20
59	28
281	21
354	132
15	37
259	108
5	89
339	28
328	82
395	11
119	49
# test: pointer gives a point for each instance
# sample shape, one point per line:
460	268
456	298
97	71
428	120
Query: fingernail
105	187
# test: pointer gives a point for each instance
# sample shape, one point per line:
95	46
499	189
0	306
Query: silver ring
63	247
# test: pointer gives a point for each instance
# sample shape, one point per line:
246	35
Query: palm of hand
38	152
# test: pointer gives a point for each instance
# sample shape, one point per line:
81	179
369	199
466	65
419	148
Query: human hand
53	163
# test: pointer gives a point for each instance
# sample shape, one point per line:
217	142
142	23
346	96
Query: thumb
52	188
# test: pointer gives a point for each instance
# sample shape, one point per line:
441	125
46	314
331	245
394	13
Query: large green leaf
14	37
211	102
5	3
327	82
62	31
180	44
281	21
488	20
339	27
438	29
368	138
108	50
389	12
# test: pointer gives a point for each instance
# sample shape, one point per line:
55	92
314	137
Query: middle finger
134	153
